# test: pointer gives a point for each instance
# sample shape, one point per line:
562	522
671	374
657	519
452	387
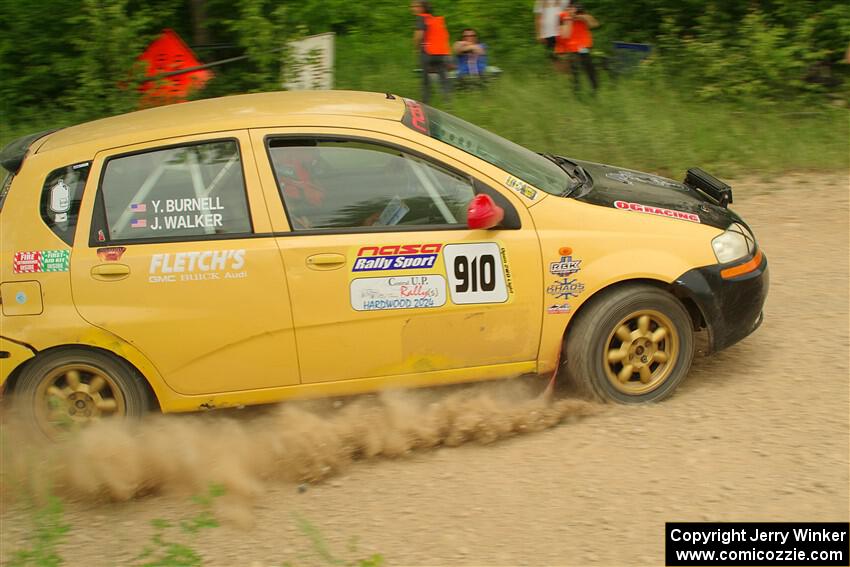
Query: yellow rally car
255	248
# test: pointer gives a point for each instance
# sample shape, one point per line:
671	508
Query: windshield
524	164
5	184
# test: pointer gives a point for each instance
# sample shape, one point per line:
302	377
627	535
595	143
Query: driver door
385	277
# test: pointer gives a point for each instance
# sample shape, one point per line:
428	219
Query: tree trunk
200	35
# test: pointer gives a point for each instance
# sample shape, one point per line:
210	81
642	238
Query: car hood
617	187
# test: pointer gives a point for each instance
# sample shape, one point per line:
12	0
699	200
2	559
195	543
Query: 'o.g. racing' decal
41	261
398	292
476	273
638	208
396	257
521	187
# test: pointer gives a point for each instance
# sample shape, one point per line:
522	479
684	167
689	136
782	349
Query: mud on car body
257	248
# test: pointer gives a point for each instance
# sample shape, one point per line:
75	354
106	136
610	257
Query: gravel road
757	432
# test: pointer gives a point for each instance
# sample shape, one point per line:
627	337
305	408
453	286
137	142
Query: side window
337	184
61	195
192	192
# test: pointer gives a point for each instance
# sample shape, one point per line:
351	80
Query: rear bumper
732	308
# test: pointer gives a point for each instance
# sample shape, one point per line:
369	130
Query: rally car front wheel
632	344
64	390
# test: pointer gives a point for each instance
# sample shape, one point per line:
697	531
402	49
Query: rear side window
61	195
189	192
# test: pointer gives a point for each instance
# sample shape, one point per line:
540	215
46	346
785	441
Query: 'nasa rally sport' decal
476	273
396	257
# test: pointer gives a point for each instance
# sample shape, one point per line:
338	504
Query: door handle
325	261
110	272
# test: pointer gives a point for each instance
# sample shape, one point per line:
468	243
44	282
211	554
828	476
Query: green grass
171	543
49	529
641	121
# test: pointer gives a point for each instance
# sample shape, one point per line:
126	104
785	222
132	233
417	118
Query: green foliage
321	548
260	32
49	529
162	552
81	56
646	121
107	40
761	60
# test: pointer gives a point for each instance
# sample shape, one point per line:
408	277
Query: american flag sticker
138	207
139	223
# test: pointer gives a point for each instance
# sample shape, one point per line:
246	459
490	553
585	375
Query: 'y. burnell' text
187	213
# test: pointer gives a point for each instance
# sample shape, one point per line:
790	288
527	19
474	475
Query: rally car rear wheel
62	391
633	344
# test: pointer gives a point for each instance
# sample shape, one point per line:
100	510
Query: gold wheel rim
640	352
74	395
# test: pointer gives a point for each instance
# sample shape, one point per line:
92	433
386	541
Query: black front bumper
731	308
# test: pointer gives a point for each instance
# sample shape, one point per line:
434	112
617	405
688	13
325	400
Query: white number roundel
475	273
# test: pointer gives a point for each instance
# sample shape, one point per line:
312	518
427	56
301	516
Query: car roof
219	114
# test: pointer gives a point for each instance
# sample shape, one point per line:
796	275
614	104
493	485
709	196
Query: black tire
62	390
606	363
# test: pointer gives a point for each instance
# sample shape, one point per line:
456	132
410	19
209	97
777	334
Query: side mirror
483	212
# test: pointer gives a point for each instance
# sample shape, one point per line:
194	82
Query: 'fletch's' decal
638	208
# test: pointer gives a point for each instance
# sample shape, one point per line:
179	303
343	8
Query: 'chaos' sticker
638	208
41	261
396	257
398	292
565	288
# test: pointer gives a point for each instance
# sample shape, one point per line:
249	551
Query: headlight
733	244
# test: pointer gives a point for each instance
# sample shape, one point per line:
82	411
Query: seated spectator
471	55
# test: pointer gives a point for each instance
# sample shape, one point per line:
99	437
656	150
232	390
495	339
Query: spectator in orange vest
431	40
546	22
575	41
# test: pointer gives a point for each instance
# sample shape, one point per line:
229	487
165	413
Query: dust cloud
302	442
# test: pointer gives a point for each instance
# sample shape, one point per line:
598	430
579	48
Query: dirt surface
757	432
